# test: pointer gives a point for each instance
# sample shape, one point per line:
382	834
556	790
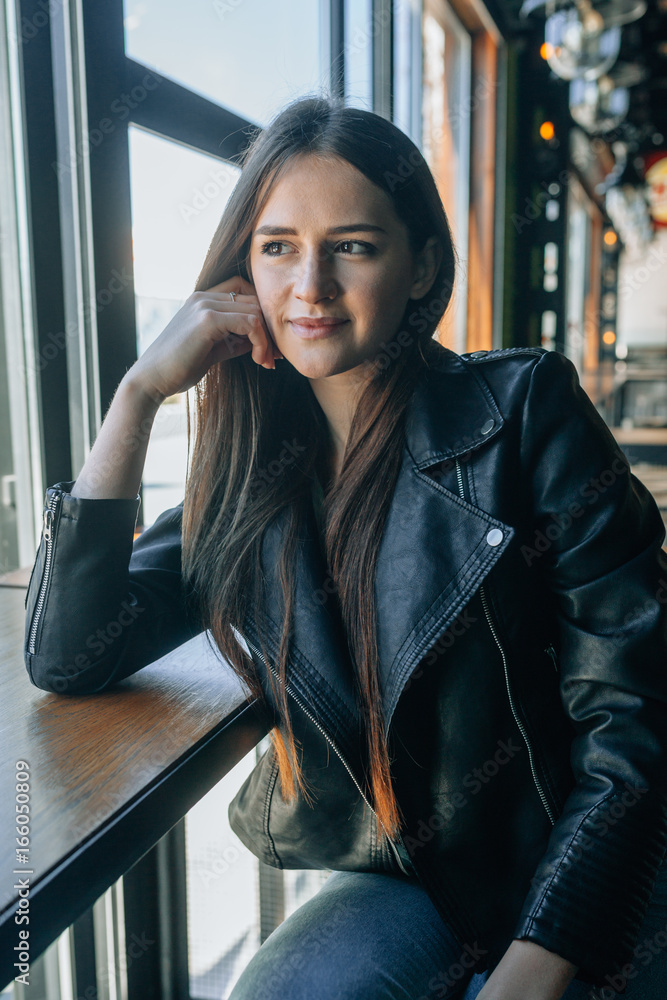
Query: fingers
231	347
255	331
235	284
245	302
261	336
223	297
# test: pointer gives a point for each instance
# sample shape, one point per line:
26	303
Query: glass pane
446	138
251	56
50	976
224	919
359	53
178	196
407	43
223	895
578	263
301	884
9	547
20	461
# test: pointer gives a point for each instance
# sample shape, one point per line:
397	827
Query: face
328	244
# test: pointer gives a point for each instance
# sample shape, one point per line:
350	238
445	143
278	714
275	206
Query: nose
314	277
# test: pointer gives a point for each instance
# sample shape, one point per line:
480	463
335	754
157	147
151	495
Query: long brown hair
245	415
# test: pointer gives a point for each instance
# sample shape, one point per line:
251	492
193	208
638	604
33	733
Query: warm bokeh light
608	337
546	50
610	237
547	130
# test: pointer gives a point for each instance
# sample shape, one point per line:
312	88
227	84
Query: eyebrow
354	227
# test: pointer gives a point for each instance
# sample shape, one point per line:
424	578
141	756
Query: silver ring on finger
233	296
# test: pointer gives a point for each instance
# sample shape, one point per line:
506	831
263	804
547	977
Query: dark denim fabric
372	935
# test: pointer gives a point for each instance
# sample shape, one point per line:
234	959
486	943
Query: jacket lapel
435	552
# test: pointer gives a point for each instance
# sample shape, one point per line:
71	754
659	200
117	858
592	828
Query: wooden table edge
59	896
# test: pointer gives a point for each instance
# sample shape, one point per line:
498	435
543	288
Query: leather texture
521	590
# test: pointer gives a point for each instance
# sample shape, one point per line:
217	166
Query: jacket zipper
517	719
333	746
47	534
552	653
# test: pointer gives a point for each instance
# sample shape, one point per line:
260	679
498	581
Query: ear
427	263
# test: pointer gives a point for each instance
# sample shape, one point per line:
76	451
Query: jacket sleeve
606	574
100	606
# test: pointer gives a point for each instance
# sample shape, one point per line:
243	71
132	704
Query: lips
312	328
317	321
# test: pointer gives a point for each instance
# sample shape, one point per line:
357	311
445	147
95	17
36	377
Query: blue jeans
372	935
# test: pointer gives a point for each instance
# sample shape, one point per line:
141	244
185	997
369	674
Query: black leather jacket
521	589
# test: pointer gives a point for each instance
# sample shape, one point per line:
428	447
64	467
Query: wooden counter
110	773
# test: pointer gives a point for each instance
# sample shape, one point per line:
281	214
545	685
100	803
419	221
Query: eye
265	248
365	247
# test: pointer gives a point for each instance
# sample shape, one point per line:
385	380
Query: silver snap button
478	354
495	536
487	426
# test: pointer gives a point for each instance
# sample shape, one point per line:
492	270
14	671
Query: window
214	48
178	195
446	138
20	454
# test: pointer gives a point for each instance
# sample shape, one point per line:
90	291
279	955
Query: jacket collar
451	411
433	556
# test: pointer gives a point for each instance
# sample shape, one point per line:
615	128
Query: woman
435	571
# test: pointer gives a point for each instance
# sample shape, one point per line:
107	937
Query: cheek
386	298
267	291
272	306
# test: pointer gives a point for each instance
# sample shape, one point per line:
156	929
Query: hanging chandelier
582	40
613	13
580	47
600	105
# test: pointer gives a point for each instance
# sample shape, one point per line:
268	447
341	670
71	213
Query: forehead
319	192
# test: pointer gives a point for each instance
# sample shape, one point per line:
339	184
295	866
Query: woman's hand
208	328
527	971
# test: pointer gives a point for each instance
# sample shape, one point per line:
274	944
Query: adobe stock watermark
136	946
30	27
119	110
646	951
316	940
592	490
533	207
131	439
275	468
98	643
459	627
642	273
210	871
220	181
635	619
419	318
474	781
22	885
405	167
443	981
57	342
605	819
360	38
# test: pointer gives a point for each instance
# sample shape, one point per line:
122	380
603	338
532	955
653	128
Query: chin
322	368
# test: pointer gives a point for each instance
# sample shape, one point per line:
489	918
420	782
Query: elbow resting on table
77	676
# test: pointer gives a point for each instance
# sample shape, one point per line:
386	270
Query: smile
314	330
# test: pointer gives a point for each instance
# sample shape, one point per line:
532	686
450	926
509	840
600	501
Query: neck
338	396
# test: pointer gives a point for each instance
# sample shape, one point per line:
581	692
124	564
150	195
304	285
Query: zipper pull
552	653
48	524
